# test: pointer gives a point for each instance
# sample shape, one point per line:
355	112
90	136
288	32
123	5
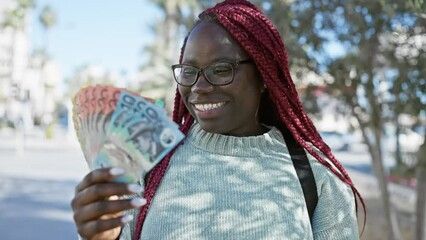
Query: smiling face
230	109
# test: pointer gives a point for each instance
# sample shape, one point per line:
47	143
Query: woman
234	176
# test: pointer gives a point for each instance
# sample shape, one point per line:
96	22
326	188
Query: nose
202	85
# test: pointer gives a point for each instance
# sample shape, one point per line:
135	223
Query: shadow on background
36	209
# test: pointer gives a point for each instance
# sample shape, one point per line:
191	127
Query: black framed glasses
217	73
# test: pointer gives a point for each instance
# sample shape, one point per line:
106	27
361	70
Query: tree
163	51
410	90
48	20
418	7
421	194
15	19
360	72
409	87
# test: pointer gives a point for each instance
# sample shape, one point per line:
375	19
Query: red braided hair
280	107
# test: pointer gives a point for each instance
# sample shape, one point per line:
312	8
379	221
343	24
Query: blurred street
37	184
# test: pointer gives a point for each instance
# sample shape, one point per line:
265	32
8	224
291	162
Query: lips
208	109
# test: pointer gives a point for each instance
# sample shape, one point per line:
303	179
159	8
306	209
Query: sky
105	33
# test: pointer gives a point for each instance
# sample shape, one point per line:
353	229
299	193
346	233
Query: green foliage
380	72
48	17
27	4
375	74
15	18
417	6
370	75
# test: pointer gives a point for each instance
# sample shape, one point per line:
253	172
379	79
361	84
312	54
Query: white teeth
208	106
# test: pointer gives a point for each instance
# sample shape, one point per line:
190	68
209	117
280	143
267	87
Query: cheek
250	87
249	95
251	81
184	93
246	99
182	90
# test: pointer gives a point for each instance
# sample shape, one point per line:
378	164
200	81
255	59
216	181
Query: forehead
210	42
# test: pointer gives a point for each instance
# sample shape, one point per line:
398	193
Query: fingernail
116	171
134	188
126	218
137	202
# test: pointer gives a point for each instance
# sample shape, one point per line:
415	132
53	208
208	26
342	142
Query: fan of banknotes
119	128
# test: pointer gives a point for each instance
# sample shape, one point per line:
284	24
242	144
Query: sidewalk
358	165
35	140
36	188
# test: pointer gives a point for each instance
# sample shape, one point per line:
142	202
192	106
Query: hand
98	211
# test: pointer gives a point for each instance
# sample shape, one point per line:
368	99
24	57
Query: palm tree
164	50
47	19
15	19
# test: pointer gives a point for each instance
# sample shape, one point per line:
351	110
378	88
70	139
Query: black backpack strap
304	172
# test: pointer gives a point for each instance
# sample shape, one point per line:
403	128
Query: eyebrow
194	63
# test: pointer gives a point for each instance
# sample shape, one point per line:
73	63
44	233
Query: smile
208	106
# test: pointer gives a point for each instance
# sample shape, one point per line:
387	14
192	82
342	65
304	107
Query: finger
102	191
95	227
99	176
98	209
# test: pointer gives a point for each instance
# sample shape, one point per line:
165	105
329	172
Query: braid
280	106
259	37
182	117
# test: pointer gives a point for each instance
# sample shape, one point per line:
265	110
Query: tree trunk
393	231
398	157
390	213
172	18
376	125
421	193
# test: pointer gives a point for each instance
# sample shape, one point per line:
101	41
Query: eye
221	69
188	71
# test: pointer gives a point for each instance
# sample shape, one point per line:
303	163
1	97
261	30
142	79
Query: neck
256	130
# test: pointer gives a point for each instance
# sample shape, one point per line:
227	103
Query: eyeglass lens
216	74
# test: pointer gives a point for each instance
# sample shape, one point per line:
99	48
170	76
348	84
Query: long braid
182	117
233	26
157	173
261	40
240	18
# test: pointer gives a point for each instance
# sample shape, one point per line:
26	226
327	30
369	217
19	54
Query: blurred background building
29	81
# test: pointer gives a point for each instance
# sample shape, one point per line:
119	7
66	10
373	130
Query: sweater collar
269	142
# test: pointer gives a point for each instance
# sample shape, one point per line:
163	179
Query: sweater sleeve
128	228
125	233
335	214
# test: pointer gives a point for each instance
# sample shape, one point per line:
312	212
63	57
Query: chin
212	127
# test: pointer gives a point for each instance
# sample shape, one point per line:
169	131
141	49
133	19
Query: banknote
118	127
152	132
128	106
123	110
